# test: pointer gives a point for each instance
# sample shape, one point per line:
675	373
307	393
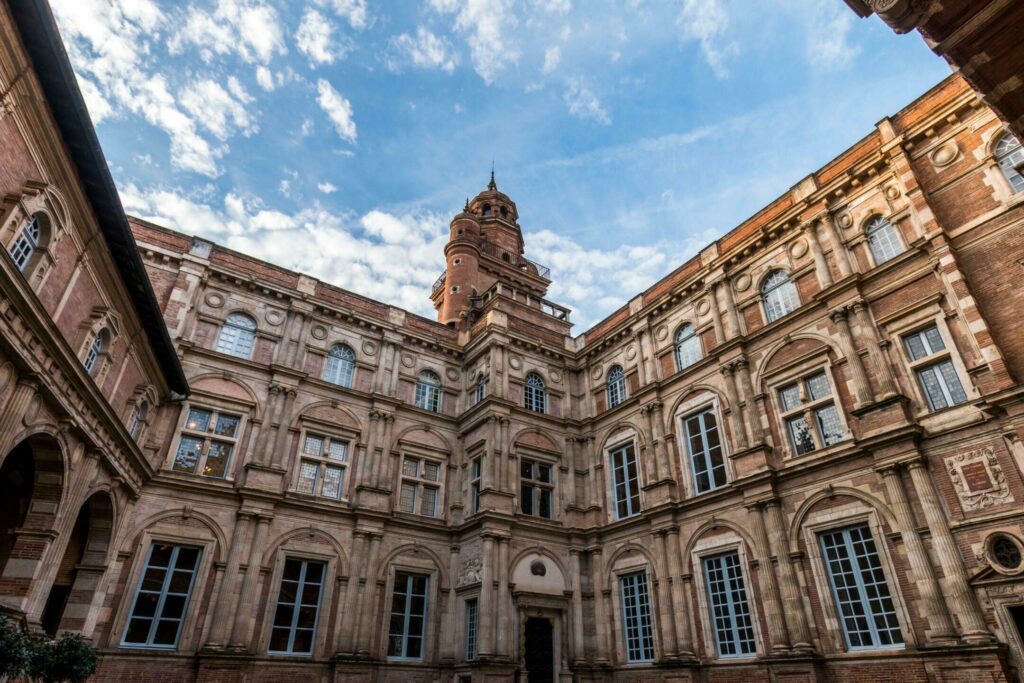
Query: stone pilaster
861	387
248	603
224	606
821	269
777	631
789	583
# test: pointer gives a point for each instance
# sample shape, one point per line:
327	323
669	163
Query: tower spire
492	185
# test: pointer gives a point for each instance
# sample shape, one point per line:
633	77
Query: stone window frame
679	345
475	479
535	397
797	372
835	518
717	545
340	373
432	393
325	613
624	438
867	228
24	211
188	640
702	401
998	136
552	486
619	569
255	332
412	565
763	299
987	551
421	454
216	405
327	431
615	387
471	654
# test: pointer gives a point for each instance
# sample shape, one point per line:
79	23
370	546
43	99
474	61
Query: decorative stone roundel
944	154
452	374
661	333
555	376
214	299
703	306
1005	553
631	353
892	192
538	568
408	361
798	248
274	317
596	372
515	362
319	332
369	348
741	283
846	220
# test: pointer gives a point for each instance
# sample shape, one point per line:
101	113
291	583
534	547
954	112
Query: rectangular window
322	467
730	613
636	617
477	470
535	488
298	606
626	481
704	444
161	599
471	619
809	413
859	588
934	369
421	487
408	616
207	441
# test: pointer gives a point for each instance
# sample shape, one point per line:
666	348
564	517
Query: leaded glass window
206	443
687	346
322	466
934	369
779	294
421	487
809	413
536	488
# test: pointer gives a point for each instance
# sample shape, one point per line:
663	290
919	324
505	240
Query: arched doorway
17	478
81	567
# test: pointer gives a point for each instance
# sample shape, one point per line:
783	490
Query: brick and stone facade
842	367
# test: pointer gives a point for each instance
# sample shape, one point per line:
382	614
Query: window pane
338	450
636	617
545	503
428	504
471	619
217	460
730	613
800	432
817	387
411	467
307	477
313	445
789	397
198	420
189	451
526	499
407	500
431	471
333	479
952	382
931	383
227	425
829	427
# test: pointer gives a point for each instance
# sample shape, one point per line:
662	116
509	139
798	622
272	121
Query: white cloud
560	7
250	28
265	78
828	30
583	103
327	187
315	40
425	50
307	128
552	58
487	24
218	110
352	11
337	108
706	22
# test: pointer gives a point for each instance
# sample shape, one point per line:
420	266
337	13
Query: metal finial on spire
492	185
466	208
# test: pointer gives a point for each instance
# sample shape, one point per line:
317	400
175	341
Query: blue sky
338	137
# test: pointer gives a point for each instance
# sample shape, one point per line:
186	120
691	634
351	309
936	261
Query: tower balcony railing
438	283
500	290
516	260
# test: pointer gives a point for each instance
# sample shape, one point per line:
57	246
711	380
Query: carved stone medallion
741	283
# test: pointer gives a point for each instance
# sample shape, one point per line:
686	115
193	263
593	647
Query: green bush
15	649
68	658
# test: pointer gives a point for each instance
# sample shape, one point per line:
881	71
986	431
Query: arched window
428	391
535	396
481	389
616	386
779	295
1010	155
138	418
96	348
341	365
688	350
237	336
883	240
28	241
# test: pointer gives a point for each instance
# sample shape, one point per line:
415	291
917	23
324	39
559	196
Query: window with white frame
472	614
687	346
536	486
162	596
933	366
322	466
340	367
207	440
407	626
809	413
476	467
237	336
481	390
704	447
779	295
421	486
1010	155
138	419
861	593
883	240
535	395
625	480
298	607
731	622
428	391
27	243
97	347
636	617
616	386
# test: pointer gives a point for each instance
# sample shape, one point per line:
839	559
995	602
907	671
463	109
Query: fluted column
367	609
751	412
241	629
935	611
887	385
665	604
226	595
861	386
716	312
777	632
601	615
821	268
14	410
738	429
485	628
839	252
346	638
789	583
958	591
578	654
686	646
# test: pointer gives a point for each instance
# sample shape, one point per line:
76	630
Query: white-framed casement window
933	366
636	617
535	394
731	621
421	486
481	390
616	386
472	617
237	336
705	449
779	295
883	240
407	626
340	367
476	473
293	631
138	420
808	411
865	605
28	242
322	466
97	347
536	488
687	346
162	596
206	442
428	391
1010	155
625	480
